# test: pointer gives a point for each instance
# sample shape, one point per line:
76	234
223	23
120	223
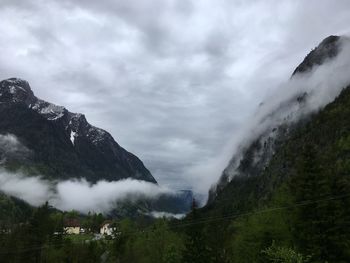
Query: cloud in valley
77	194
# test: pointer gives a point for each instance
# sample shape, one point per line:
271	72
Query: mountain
177	203
285	193
38	137
277	124
327	49
59	144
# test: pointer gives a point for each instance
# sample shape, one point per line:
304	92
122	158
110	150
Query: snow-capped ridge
16	90
63	141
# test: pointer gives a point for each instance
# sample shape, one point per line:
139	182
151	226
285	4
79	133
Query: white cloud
77	195
157	214
33	190
323	84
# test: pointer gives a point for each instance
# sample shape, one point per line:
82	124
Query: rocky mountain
327	49
274	127
38	137
243	174
59	144
286	189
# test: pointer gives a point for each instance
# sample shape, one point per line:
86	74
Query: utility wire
194	222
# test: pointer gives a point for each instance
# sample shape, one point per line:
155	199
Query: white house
107	228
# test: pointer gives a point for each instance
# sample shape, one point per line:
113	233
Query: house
72	226
107	228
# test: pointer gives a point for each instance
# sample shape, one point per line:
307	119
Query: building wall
72	230
106	230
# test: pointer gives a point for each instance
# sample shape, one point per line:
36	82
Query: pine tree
195	243
321	227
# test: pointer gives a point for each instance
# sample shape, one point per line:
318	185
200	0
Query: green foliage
277	254
154	244
93	222
253	233
308	179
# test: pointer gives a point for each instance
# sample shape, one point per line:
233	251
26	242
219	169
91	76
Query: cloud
77	194
156	214
164	72
322	85
10	145
12	149
102	196
33	190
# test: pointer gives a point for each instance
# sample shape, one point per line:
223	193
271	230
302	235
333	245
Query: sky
172	81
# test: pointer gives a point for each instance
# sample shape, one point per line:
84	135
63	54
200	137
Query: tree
277	254
322	220
195	240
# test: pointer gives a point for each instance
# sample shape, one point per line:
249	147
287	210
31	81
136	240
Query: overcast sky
172	81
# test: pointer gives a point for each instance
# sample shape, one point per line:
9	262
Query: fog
322	85
11	146
33	190
157	214
76	194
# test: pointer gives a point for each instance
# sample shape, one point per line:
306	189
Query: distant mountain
59	144
179	202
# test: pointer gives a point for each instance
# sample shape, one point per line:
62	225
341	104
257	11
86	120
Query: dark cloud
173	81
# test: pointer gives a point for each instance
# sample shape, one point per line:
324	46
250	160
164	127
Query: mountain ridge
92	150
255	157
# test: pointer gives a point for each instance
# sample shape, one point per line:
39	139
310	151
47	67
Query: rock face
255	156
61	144
327	49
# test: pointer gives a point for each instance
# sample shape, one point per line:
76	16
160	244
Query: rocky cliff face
254	156
327	49
60	144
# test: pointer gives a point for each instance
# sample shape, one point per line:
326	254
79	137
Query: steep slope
299	201
57	143
328	132
275	126
286	199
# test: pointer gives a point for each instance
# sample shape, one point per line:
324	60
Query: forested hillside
301	200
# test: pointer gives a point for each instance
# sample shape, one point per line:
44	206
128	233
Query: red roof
72	222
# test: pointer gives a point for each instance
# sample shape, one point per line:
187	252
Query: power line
195	221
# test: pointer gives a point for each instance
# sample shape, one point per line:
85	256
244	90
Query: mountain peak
328	48
16	90
94	154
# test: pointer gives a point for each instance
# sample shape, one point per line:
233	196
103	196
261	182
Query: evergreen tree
196	246
321	227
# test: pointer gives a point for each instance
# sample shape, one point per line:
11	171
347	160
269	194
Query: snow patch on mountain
72	136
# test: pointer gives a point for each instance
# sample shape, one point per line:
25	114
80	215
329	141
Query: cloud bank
77	195
322	85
